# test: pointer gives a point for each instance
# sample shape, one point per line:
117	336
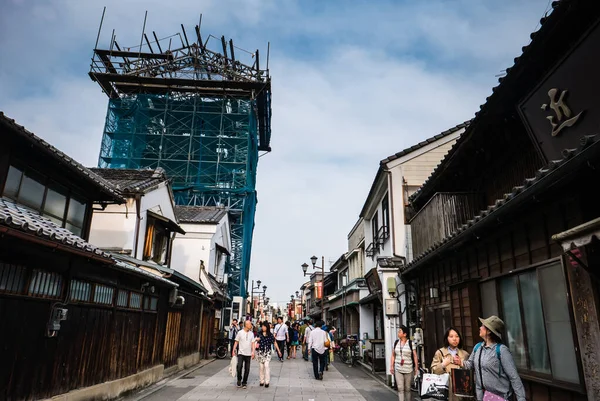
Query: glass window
153	303
13	182
535	304
76	213
12	278
489	306
45	284
147	303
558	323
122	298
512	320
103	294
56	201
31	193
80	291
75	230
135	301
531	304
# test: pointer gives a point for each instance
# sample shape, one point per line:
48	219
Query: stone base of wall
113	389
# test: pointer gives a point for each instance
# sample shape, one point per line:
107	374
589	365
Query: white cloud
352	84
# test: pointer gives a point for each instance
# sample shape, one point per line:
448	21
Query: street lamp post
314	259
264	287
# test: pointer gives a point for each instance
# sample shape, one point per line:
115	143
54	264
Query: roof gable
131	181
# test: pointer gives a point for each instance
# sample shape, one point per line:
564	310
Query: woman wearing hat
495	372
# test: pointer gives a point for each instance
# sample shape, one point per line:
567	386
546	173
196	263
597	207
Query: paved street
291	380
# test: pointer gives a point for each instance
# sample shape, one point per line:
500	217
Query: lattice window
45	284
80	291
103	294
12	278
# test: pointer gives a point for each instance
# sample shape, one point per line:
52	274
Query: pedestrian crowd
314	341
490	366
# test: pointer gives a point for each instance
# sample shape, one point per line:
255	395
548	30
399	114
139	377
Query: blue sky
353	82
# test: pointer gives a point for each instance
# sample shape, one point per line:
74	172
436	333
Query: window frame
385	212
49	184
528	374
150	249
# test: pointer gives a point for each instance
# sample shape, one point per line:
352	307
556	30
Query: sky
352	83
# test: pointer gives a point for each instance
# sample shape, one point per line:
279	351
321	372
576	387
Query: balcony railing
382	235
442	215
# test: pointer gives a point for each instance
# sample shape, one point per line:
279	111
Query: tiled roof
199	214
129	181
13	216
27	221
558	7
60	157
215	285
546	174
426	142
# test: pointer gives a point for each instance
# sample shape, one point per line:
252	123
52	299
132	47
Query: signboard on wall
564	107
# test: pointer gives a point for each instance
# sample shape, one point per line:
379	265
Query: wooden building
508	223
74	317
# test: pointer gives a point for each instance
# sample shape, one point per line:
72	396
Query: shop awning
353	303
578	236
370	299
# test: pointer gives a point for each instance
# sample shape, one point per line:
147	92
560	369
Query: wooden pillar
585	314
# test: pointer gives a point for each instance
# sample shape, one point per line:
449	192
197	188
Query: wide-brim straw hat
494	324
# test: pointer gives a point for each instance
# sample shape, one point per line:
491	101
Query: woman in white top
404	363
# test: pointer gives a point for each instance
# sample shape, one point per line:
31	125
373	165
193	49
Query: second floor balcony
442	215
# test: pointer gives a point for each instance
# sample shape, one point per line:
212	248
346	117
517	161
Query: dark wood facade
503	260
115	325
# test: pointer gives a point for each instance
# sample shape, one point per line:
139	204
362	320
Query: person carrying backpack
495	372
404	363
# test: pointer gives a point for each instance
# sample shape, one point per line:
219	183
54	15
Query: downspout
138	213
200	328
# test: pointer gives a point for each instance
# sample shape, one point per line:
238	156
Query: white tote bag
435	386
233	366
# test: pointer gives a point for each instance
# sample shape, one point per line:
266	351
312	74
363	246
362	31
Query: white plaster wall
114	227
191	248
367	323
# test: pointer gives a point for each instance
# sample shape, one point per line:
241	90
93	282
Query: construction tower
200	114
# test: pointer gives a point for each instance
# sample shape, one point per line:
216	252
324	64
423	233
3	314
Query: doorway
437	320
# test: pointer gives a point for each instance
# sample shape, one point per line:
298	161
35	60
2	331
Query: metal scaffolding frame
201	115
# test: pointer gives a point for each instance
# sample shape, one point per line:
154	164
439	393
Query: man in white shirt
306	338
281	336
244	342
316	343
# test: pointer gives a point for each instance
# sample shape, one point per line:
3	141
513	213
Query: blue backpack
478	345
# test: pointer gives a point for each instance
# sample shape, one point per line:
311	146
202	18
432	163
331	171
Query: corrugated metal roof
85	173
17	217
519	192
199	214
131	181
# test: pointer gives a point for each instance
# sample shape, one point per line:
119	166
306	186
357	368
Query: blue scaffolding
202	116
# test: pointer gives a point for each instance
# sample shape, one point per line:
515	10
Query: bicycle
349	351
221	348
